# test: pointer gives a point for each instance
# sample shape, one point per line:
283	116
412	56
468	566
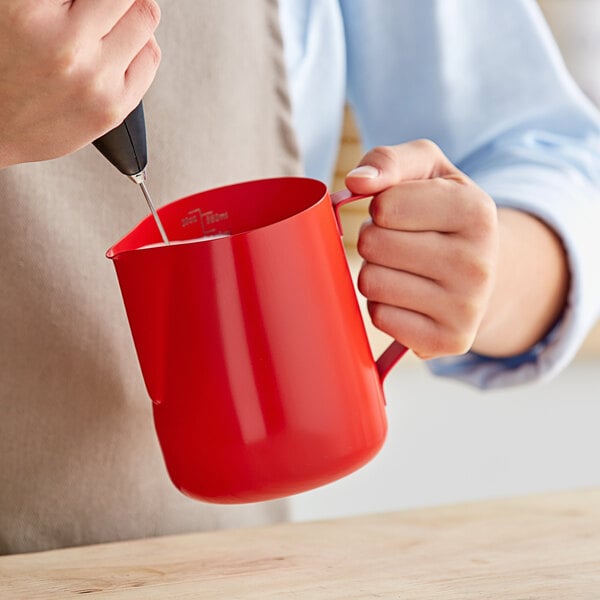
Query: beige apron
79	459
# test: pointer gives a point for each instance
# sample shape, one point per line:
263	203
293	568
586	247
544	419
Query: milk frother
125	147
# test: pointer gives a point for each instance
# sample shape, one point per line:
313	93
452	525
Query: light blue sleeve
484	80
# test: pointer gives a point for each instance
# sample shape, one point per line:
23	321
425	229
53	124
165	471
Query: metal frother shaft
125	147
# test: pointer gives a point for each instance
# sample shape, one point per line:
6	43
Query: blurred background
447	442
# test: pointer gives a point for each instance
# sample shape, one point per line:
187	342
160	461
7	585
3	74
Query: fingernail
366	171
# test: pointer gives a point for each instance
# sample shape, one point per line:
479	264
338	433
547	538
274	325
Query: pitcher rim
112	254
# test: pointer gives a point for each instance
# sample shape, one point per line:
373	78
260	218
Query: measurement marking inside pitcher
206	219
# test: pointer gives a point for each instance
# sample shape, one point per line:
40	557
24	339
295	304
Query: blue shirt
485	81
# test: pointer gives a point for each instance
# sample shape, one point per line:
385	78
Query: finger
131	33
420	253
403	290
385	166
141	72
456	315
424	336
98	16
454	264
448	205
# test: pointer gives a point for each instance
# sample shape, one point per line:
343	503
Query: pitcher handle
395	351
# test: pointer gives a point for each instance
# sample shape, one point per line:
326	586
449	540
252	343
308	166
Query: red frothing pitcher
252	344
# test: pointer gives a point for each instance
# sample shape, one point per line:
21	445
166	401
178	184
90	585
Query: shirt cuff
568	202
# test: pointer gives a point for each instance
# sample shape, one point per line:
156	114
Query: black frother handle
125	145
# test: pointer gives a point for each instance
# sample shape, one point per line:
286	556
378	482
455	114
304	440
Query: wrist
531	287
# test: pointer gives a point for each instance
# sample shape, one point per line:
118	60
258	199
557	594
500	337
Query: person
479	256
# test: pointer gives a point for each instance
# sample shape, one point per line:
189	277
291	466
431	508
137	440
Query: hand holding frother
70	72
125	147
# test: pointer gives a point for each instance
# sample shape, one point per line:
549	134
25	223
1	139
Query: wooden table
541	547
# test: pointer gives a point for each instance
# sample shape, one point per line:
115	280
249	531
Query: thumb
385	166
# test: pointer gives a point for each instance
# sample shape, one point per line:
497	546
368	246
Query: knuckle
92	89
488	215
366	242
452	343
375	209
382	210
460	178
449	189
459	344
368	282
441	338
108	117
382	157
149	13
480	212
70	61
478	271
66	62
363	281
472	265
377	313
154	52
426	145
106	111
468	312
386	153
429	344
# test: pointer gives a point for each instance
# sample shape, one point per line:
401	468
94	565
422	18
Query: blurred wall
576	28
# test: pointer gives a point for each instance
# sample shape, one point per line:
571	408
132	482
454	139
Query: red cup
252	345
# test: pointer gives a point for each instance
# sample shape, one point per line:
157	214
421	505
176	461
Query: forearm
530	289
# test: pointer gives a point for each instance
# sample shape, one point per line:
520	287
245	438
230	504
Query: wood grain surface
541	547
